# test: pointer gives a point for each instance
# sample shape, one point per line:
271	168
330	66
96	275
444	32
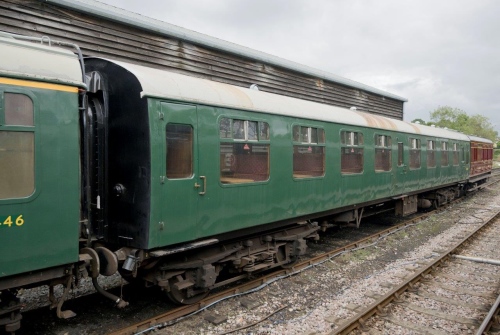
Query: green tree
457	119
420	121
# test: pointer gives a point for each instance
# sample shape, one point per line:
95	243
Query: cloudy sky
432	52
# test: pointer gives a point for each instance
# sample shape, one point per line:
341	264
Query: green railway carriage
174	180
39	159
220	159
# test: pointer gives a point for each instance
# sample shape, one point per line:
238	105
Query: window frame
418	147
431	151
445	150
352	145
456	153
386	147
23	128
320	143
401	154
261	140
168	151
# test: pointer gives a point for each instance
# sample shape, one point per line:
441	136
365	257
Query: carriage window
17	147
415	160
244	151
455	153
444	154
252	131
225	128
238	129
351	159
401	147
18	110
351	138
383	153
308	152
464	156
17	163
263	131
431	154
179	151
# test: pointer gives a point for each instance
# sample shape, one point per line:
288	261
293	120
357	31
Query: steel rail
170	316
359	320
485	326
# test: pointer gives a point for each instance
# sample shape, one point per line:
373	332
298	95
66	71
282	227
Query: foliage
419	121
457	119
496	154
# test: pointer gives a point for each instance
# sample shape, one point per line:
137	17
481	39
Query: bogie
189	279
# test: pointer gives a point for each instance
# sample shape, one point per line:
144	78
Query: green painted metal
186	215
48	235
179	194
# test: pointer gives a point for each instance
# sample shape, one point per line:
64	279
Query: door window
455	154
179	151
431	154
401	161
444	154
17	147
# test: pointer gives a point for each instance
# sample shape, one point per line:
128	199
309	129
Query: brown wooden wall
99	37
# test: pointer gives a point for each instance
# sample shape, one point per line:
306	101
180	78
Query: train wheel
183	296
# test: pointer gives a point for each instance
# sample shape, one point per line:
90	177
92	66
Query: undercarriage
188	277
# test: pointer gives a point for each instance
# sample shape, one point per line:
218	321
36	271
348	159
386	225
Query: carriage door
181	185
398	184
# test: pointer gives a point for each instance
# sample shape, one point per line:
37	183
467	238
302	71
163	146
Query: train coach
188	184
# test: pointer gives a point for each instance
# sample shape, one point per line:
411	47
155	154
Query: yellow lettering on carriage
19	220
9	222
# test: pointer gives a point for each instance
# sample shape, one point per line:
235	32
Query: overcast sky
431	52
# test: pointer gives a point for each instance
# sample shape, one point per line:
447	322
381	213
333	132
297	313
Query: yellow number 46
19	221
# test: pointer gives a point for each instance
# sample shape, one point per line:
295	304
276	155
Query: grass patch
357	256
496	154
496	158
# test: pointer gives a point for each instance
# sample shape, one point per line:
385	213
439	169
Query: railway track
173	315
182	312
453	294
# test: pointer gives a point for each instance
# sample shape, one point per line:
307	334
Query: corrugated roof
174	86
108	12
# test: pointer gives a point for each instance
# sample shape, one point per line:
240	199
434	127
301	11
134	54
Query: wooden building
109	32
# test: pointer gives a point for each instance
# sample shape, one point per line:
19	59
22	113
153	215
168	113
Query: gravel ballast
321	298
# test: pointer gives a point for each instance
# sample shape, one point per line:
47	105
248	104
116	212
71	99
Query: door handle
204	185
